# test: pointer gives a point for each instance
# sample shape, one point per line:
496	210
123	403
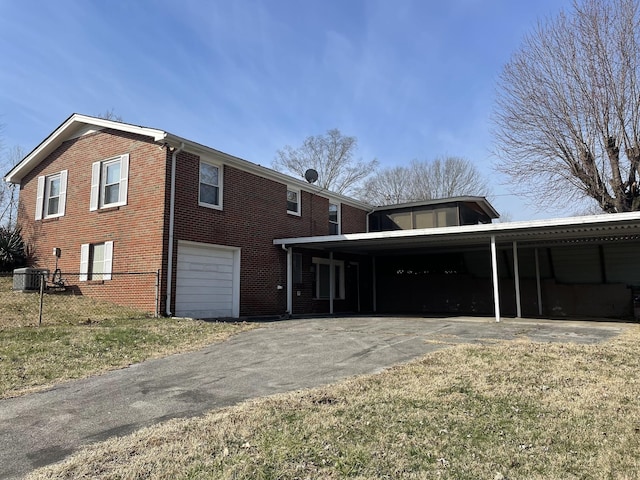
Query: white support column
494	270
516	279
290	280
538	288
373	283
332	282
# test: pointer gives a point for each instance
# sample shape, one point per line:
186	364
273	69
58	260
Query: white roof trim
78	124
592	222
73	125
261	171
482	202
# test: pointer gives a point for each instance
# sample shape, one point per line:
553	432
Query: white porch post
290	280
516	278
332	282
539	290
494	270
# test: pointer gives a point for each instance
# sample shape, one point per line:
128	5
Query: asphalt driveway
43	428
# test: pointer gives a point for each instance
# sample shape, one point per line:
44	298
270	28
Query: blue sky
410	79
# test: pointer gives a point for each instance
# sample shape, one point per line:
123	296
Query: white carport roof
596	228
536	232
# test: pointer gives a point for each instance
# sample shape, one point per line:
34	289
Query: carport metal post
332	282
516	279
538	289
373	284
290	280
494	270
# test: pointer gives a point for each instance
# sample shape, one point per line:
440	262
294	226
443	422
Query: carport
590	263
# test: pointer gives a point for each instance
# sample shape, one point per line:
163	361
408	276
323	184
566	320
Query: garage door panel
205	277
205	280
192	266
197	291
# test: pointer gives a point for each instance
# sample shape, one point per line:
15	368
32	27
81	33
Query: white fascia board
154	133
591	221
66	131
261	171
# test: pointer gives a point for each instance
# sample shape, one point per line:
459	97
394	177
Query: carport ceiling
596	228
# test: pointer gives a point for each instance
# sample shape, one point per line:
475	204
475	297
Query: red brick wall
354	220
136	228
254	213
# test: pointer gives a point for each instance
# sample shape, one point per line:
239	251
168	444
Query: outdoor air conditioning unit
28	279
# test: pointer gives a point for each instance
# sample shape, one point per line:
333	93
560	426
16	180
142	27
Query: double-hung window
322	287
96	260
334	218
109	182
51	195
210	189
293	201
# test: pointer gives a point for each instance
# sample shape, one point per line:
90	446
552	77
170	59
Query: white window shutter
84	262
95	186
124	178
108	260
40	198
63	192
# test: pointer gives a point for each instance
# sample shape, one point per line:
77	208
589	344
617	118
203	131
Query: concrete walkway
43	428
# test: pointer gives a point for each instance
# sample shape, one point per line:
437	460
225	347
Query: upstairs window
51	195
209	194
96	260
109	182
293	201
334	219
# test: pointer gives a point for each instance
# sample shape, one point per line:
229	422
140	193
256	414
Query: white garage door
207	284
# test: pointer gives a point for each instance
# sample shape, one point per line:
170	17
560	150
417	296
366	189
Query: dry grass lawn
508	410
82	336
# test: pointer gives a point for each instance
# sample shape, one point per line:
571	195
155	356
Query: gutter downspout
172	206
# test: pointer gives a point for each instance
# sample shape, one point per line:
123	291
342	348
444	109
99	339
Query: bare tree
110	115
8	191
567	118
387	186
332	156
443	177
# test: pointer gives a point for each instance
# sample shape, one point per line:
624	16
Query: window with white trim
293	201
334	218
322	286
210	189
109	182
51	195
96	260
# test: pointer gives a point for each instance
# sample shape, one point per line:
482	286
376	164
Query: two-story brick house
231	238
115	197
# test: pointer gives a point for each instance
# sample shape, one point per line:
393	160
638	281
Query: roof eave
60	134
198	148
484	204
591	222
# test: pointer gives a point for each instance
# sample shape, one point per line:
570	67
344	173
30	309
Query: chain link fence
30	296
